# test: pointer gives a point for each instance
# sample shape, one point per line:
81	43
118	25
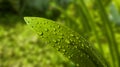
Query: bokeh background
96	20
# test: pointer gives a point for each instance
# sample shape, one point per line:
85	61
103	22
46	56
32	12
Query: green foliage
68	42
95	20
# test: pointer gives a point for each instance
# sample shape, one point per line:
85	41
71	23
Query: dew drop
58	26
77	65
32	26
54	29
71	40
79	41
59	40
69	57
46	30
41	33
55	41
37	22
61	34
28	22
81	55
87	56
46	21
76	47
53	45
54	33
64	50
72	55
67	41
77	37
67	46
61	37
87	46
63	53
82	45
59	47
71	35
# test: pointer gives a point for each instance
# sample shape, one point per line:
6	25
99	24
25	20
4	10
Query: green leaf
69	43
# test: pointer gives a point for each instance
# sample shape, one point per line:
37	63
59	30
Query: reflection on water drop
61	37
77	37
67	41
55	41
77	65
46	30
69	57
58	26
64	50
71	35
41	33
76	47
54	29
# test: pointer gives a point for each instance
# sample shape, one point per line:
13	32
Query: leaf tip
26	19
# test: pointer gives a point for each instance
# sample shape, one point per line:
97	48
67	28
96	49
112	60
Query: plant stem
91	22
109	34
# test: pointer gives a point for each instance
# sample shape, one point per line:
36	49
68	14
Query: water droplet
72	55
71	35
59	47
87	56
58	31
67	41
54	33
76	47
64	50
58	39
61	34
77	65
63	53
61	37
81	55
55	41
79	41
67	46
73	43
58	26
46	30
71	40
28	22
54	29
87	46
46	21
53	45
77	37
37	22
69	57
48	41
82	45
41	33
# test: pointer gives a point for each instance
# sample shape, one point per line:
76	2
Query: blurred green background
96	20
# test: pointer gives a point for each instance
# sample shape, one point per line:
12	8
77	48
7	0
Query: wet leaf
66	41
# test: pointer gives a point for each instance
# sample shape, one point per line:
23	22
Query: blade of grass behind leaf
87	16
109	34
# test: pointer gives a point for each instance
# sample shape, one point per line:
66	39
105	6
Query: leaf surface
69	43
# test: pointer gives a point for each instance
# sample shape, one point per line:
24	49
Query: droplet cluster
69	43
